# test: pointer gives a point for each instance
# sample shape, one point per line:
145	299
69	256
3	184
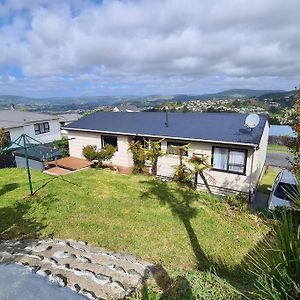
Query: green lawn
161	222
277	148
267	181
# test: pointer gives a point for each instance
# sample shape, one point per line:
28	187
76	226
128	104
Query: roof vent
167	116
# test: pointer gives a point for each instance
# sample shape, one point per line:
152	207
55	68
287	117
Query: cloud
194	46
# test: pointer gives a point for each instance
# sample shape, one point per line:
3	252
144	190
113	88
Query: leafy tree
293	116
90	152
63	146
200	163
139	156
153	153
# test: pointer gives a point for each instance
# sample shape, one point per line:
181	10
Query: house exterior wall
260	156
77	140
52	135
219	181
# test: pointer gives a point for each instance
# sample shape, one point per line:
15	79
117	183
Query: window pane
220	158
236	162
109	140
46	127
172	148
37	129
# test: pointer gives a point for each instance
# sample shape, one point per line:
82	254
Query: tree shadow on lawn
179	201
8	188
19	221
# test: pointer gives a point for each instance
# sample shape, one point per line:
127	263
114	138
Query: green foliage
182	173
3	138
90	152
238	201
139	156
106	153
293	117
63	146
200	163
277	266
153	152
191	285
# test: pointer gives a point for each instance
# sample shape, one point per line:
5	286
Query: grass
267	181
161	222
277	148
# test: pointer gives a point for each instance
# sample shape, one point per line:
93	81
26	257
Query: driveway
278	159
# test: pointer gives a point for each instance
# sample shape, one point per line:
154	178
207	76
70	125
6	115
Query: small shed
38	155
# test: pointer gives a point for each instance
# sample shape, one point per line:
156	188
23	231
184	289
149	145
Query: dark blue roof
222	127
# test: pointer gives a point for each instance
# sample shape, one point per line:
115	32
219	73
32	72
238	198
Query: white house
43	127
237	153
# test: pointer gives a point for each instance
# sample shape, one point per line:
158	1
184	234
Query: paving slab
91	271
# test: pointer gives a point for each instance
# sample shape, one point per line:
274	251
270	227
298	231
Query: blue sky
140	47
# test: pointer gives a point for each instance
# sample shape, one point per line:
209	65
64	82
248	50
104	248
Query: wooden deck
67	165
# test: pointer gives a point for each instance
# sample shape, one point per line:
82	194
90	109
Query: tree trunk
196	180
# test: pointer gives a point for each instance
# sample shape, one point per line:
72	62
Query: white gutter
161	136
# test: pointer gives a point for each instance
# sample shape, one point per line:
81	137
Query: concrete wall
52	135
77	140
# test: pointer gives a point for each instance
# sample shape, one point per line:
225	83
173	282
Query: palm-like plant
182	172
138	156
200	163
153	153
278	265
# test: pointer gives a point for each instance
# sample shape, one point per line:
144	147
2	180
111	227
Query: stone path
91	271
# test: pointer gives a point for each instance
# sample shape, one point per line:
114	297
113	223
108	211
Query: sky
59	48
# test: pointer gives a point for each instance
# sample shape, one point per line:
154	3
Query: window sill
229	172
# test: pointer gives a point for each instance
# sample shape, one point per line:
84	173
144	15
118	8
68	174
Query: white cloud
153	43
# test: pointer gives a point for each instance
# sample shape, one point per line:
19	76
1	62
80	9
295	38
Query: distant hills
86	102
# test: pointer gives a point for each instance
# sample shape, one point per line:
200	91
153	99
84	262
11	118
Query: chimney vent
167	116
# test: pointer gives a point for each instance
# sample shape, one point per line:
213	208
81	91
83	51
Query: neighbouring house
237	153
43	127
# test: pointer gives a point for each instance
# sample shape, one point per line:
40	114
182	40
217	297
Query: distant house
237	153
43	127
65	119
125	108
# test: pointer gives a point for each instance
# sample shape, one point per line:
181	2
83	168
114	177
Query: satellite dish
252	121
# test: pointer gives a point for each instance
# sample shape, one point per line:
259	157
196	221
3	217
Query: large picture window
109	140
40	128
229	160
172	148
